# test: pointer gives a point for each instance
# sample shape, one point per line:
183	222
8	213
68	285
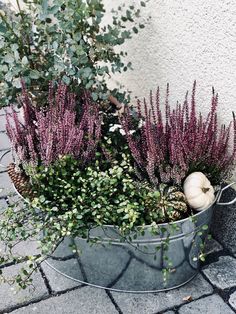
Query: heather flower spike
186	142
46	134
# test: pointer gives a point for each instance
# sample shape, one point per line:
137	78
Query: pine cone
20	180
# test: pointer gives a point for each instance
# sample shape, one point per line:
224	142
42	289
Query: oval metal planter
136	266
130	266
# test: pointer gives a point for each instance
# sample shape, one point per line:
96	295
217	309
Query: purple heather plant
167	147
48	133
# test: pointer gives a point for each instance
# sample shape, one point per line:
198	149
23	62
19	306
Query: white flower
34	29
115	127
132	132
118	127
122	131
141	123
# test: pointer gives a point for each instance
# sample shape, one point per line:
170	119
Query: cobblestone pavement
213	291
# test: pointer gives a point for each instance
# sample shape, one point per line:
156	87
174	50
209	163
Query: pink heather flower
186	142
48	133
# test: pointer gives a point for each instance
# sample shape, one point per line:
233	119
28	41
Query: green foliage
67	40
95	195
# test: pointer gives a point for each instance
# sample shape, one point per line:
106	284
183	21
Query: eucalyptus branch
84	52
27	34
9	26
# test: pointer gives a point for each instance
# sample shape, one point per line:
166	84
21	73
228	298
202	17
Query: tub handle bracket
220	194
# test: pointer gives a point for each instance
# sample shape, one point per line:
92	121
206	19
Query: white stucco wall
12	3
186	40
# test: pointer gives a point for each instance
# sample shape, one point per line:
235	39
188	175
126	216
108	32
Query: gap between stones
45	279
223	294
113	301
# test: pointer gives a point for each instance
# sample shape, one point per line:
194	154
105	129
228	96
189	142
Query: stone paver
232	300
80	301
9	298
2	122
8	109
4	141
212	246
57	281
13	198
3	205
222	273
153	303
3	110
6	186
209	305
23	248
6	159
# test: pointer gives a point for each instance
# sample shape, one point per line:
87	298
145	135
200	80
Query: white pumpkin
198	191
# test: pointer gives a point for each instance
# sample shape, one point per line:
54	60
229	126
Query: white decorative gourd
198	191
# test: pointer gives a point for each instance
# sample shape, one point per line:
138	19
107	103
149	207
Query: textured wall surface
186	40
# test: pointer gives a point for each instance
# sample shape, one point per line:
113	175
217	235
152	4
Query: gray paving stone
6	186
3	205
212	246
223	226
10	298
13	199
2	122
64	248
29	247
59	282
80	301
222	273
232	300
209	305
8	109
4	141
5	160
24	248
153	303
169	312
3	112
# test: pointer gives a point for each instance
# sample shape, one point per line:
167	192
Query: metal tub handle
1	158
220	194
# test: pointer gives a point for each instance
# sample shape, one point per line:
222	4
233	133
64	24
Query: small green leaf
9	58
16	82
24	60
3	28
34	74
66	79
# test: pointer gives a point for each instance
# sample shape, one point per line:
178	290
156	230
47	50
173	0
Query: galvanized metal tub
136	266
131	266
